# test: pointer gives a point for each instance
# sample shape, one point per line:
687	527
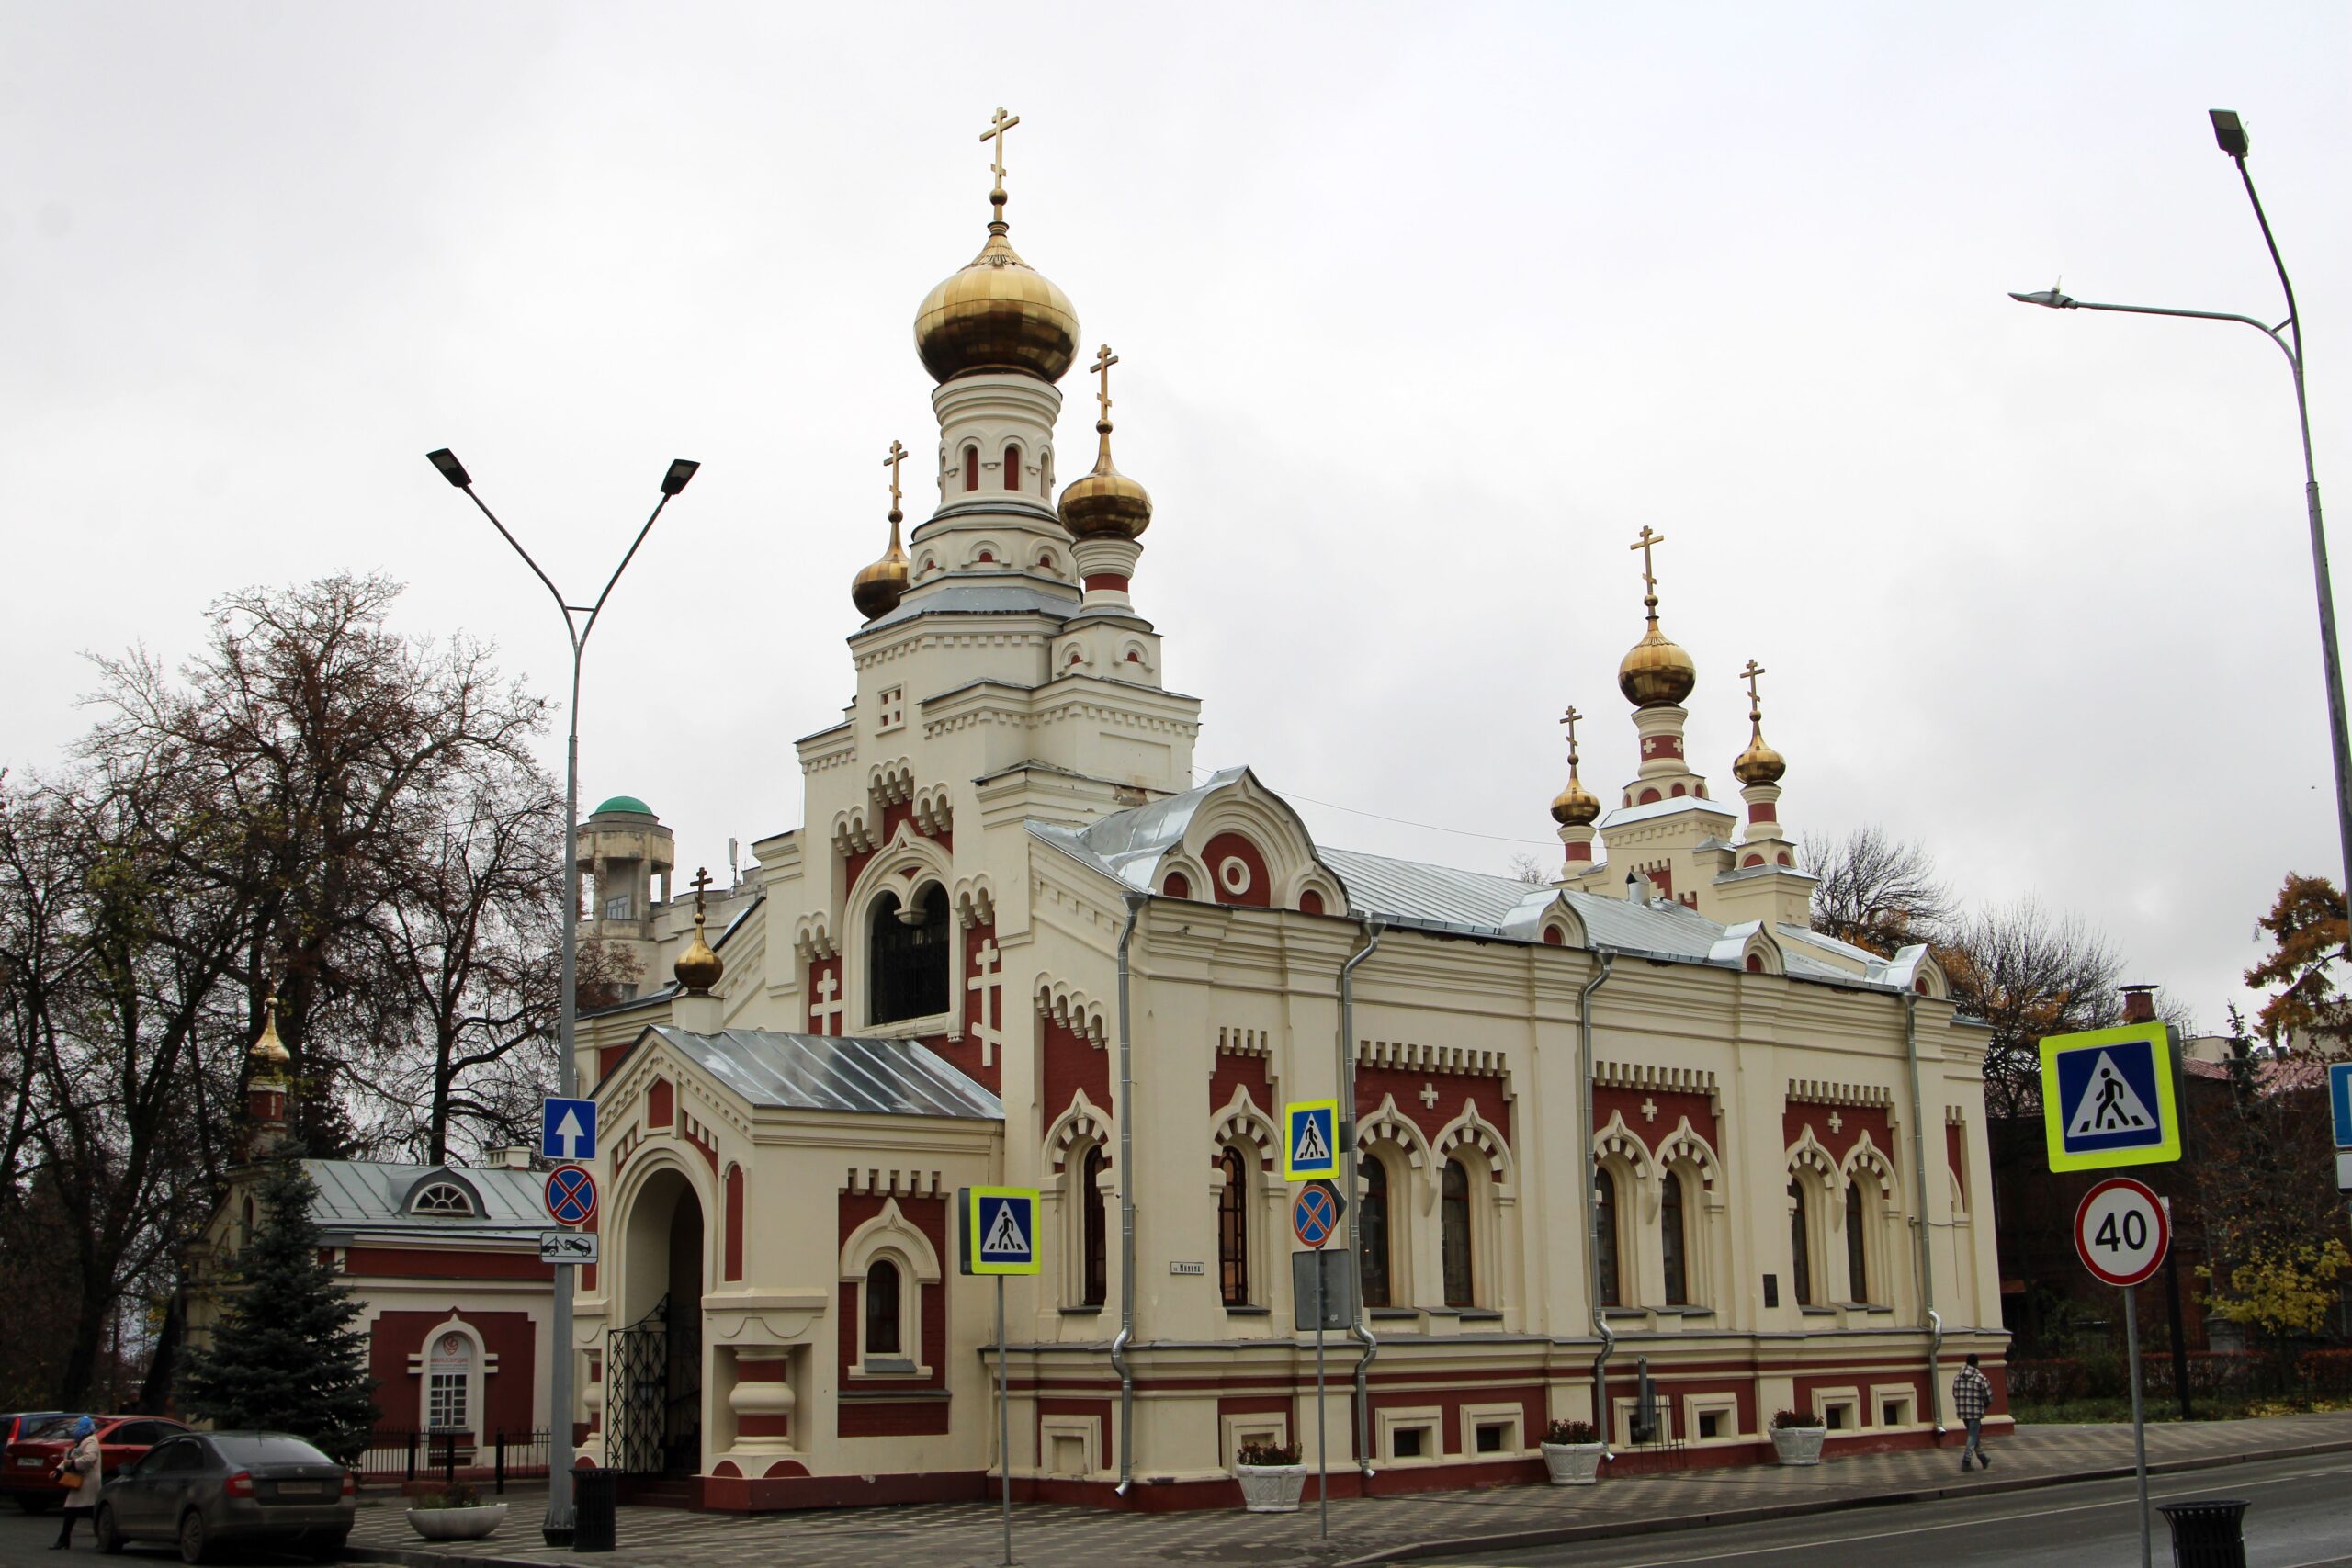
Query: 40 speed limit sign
2122	1232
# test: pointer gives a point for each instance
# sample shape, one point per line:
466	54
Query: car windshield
271	1450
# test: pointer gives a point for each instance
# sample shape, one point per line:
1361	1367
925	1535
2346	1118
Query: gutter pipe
1119	1361
1359	1329
1591	1235
1927	1238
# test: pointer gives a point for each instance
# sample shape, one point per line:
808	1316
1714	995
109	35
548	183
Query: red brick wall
1072	1062
1453	1091
508	1396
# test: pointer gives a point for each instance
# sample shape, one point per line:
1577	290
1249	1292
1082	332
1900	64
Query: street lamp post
2289	335
578	622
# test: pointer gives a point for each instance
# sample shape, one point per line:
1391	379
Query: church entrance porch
653	1369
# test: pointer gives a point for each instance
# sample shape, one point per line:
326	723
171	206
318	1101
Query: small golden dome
269	1054
998	314
878	586
699	968
1105	501
1575	806
1655	673
1759	765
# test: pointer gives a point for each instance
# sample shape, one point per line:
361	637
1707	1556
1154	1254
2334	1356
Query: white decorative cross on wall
1649	1109
827	1009
1428	1094
984	979
1835	1122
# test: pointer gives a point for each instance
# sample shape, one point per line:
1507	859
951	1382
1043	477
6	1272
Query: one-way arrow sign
568	1129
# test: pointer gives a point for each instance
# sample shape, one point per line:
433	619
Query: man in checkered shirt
1971	1395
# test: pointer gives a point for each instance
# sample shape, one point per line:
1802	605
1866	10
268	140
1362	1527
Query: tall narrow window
1801	1260
1670	1236
1604	1235
908	957
1857	1277
1096	1282
882	1310
1371	1230
448	1372
971	467
1455	1220
1046	471
1233	1229
1011	467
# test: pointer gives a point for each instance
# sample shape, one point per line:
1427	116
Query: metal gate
654	1394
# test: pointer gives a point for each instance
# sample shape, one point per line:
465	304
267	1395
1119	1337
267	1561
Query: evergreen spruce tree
284	1357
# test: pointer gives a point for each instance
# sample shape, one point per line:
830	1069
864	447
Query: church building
1636	1147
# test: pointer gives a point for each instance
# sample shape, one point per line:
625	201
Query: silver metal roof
828	1072
359	1194
980	599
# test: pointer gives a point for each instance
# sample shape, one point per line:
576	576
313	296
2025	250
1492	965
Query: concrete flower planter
1271	1488
1799	1444
1573	1464
458	1524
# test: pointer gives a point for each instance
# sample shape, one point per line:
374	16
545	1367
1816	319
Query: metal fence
396	1458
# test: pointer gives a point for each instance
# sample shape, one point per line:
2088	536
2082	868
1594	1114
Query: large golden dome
1656	673
998	314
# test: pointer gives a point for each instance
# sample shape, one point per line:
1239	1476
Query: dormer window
445	1197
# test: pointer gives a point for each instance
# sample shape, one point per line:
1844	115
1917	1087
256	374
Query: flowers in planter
1571	1432
459	1495
1268	1454
1788	1420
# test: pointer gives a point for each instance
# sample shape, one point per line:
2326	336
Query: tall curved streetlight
2289	335
579	620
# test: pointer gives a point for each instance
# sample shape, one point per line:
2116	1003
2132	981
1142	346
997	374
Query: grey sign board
1328	1276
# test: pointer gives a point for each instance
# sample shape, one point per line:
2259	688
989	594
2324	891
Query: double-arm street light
579	620
2289	335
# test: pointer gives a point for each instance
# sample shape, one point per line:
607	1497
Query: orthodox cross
1569	718
1649	577
1103	360
1755	703
701	881
995	132
898	456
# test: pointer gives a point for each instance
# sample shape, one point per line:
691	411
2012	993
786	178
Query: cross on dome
1649	575
1569	718
898	455
1103	360
998	126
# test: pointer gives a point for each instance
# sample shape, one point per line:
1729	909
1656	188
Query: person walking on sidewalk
84	1461
1971	1395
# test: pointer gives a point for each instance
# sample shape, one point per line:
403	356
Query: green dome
622	803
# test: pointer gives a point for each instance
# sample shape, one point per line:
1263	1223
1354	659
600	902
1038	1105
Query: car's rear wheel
110	1533
196	1544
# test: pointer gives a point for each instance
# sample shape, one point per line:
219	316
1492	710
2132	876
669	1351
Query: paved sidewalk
1362	1530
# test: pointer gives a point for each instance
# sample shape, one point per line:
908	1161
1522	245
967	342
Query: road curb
1568	1535
418	1557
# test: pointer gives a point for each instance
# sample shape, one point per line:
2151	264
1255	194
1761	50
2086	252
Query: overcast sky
1422	313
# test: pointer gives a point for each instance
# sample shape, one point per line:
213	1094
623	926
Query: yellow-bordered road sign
1310	1140
2108	1098
1000	1230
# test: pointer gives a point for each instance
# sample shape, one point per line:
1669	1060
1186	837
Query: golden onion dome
1575	806
1655	673
879	585
998	314
1759	765
1105	504
699	968
269	1055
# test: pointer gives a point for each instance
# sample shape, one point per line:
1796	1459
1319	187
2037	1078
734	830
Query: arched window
1095	1279
1454	1223
1604	1235
1011	467
1800	1247
1371	1230
1233	1229
971	467
882	1309
442	1197
1670	1236
1857	1277
908	958
1046	471
448	1380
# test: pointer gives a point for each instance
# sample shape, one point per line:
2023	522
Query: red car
27	1464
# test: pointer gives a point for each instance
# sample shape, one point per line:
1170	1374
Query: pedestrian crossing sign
1000	1230
2108	1098
1310	1140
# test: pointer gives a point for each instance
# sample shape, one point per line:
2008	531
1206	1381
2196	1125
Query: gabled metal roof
360	1194
832	1072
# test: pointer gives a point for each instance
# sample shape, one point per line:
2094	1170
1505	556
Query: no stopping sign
2122	1232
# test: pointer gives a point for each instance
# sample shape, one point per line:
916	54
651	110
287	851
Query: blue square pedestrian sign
568	1129
1310	1140
2108	1098
2339	1100
1000	1230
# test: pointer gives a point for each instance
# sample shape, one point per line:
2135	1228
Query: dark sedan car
208	1490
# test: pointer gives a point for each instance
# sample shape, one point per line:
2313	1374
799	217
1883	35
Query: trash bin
2208	1533
592	1501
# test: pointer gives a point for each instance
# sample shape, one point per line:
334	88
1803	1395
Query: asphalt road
2299	1517
24	1543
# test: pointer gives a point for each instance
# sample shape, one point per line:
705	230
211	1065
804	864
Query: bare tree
2029	974
1873	891
1525	867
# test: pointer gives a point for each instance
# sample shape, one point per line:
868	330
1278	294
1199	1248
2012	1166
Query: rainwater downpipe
1119	1362
1927	1238
1358	1327
1592	1213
